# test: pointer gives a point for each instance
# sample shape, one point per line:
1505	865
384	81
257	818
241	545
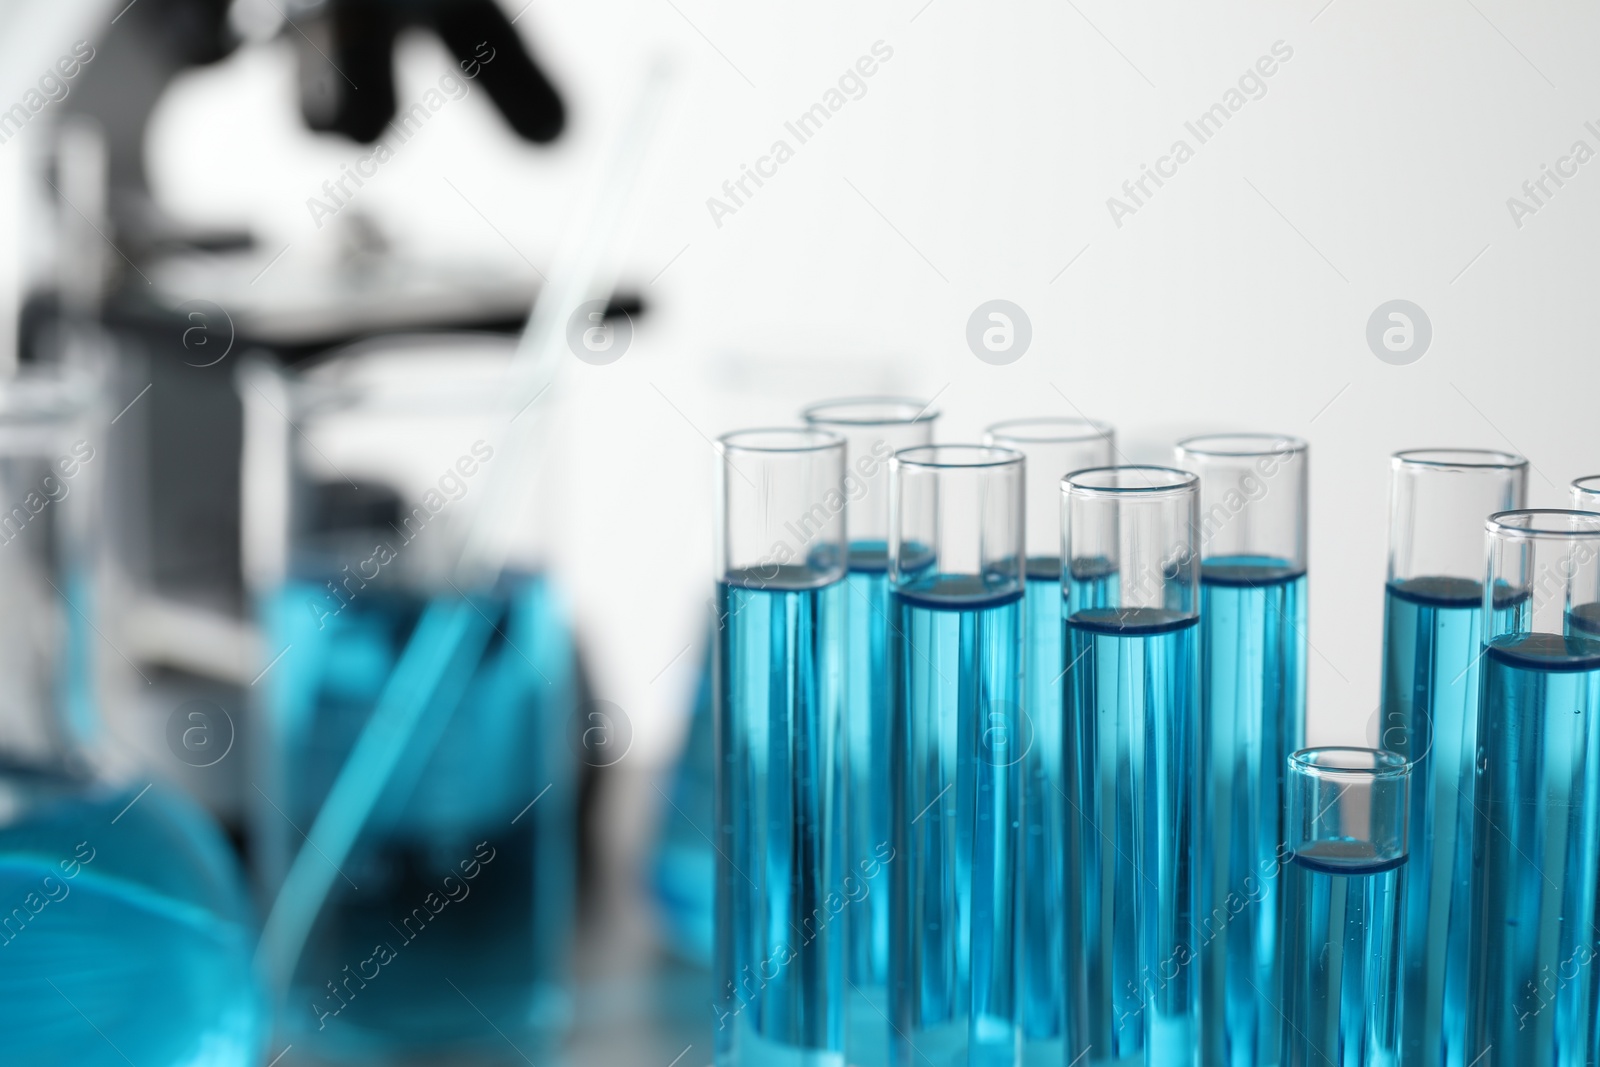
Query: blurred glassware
362	478
684	868
124	922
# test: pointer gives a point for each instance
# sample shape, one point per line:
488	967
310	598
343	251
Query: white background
977	166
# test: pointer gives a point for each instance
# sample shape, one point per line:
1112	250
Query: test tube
1432	640
1053	447
1586	493
1535	931
1345	843
957	741
874	428
1253	707
1130	571
780	750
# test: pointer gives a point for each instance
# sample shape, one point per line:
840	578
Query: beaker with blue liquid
444	928
125	931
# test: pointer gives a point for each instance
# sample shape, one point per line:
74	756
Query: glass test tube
1053	447
1131	571
1586	493
1432	640
874	428
1345	841
1535	931
957	741
780	750
1253	491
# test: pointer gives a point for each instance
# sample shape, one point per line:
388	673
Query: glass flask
1253	497
1345	841
444	930
1053	448
783	896
125	931
1433	634
1131	576
1535	887
957	743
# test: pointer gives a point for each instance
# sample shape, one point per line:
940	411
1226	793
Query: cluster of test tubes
1011	764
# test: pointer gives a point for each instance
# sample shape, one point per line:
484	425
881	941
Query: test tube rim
1177	481
1504	524
997	458
1588	484
1460	459
819	440
1386	765
818	414
1194	446
1087	430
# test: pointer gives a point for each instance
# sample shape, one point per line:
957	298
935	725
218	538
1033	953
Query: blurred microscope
172	299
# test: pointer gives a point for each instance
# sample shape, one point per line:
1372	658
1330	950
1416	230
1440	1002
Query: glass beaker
1253	506
365	478
957	742
1432	645
1053	447
1535	927
1345	841
125	931
781	893
1131	576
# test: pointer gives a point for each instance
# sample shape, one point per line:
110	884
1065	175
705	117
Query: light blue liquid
1433	638
1341	967
685	868
956	772
782	907
1042	949
125	934
1044	992
1535	932
1253	649
1132	695
869	836
447	927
